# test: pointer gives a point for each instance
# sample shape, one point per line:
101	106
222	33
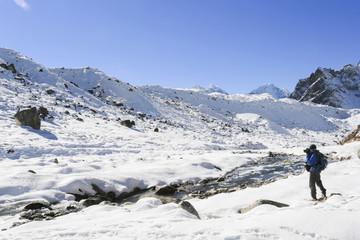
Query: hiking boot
314	199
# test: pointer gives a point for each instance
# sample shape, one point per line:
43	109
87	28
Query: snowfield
199	135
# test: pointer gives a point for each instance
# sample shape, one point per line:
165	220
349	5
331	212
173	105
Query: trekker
312	161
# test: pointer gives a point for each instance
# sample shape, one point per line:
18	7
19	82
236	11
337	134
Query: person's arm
311	159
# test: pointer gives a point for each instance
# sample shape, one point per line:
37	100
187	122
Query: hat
312	147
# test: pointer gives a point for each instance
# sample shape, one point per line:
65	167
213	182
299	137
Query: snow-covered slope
81	143
335	88
272	90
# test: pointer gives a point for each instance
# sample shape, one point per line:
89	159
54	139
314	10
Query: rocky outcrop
28	117
354	136
329	87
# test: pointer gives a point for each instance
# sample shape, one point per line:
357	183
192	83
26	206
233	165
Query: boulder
165	190
128	123
28	117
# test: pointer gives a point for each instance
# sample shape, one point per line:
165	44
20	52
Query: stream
265	170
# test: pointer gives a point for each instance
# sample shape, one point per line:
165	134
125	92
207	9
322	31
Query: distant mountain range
325	86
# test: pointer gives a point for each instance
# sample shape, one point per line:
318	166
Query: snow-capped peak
272	90
212	89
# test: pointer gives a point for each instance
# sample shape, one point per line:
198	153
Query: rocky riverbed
265	170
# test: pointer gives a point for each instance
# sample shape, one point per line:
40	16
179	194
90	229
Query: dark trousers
315	179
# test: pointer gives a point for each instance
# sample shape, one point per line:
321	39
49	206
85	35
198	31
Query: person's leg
312	181
319	184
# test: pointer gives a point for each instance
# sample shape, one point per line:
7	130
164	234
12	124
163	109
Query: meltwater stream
265	170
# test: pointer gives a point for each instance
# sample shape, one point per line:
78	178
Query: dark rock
50	91
128	123
28	117
32	171
117	104
156	130
189	208
74	84
165	190
36	206
95	200
91	91
10	151
43	112
10	67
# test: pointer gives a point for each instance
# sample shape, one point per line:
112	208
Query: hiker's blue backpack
322	161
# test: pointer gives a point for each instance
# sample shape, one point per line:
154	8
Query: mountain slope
81	141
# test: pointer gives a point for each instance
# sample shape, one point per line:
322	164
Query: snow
272	90
197	131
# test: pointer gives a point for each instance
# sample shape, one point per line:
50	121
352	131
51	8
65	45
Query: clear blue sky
235	44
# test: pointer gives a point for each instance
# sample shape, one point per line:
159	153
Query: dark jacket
312	160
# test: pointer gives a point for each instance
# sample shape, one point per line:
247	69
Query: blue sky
235	44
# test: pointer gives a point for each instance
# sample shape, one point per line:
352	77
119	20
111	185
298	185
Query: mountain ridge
329	87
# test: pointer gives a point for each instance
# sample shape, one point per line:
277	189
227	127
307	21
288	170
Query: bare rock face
329	87
28	117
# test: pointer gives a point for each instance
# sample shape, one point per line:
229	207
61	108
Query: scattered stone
261	202
28	117
74	84
91	91
32	171
43	112
128	123
10	151
56	161
50	91
156	130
